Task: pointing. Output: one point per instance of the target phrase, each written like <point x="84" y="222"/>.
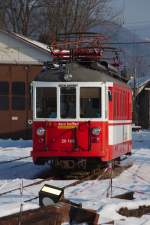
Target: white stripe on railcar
<point x="119" y="133"/>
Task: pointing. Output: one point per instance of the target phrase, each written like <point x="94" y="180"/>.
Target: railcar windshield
<point x="46" y="102"/>
<point x="90" y="102"/>
<point x="68" y="102"/>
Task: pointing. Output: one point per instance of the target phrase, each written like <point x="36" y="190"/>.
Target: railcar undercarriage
<point x="83" y="164"/>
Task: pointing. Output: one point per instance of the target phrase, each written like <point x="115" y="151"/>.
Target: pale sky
<point x="135" y="12"/>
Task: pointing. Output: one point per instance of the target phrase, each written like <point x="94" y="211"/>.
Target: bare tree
<point x="43" y="19"/>
<point x="18" y="15"/>
<point x="65" y="16"/>
<point x="2" y="13"/>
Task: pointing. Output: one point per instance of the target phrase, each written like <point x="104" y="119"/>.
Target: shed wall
<point x="143" y="103"/>
<point x="15" y="99"/>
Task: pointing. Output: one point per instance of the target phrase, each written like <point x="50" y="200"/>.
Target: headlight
<point x="96" y="131"/>
<point x="40" y="131"/>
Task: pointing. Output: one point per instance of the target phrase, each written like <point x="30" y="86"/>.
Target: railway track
<point x="97" y="174"/>
<point x="10" y="166"/>
<point x="18" y="168"/>
<point x="25" y="186"/>
<point x="84" y="178"/>
<point x="14" y="160"/>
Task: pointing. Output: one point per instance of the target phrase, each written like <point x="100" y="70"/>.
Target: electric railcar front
<point x="71" y="119"/>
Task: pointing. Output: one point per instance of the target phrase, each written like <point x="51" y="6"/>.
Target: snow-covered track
<point x="95" y="175"/>
<point x="11" y="165"/>
<point x="13" y="160"/>
<point x="25" y="186"/>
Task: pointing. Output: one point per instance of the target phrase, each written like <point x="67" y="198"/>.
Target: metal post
<point x="134" y="96"/>
<point x="111" y="173"/>
<point x="21" y="205"/>
<point x="110" y="183"/>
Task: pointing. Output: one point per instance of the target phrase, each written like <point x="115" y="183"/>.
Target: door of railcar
<point x="70" y="112"/>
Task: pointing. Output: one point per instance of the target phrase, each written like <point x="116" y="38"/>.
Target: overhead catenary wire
<point x="127" y="43"/>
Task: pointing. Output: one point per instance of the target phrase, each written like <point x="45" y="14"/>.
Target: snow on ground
<point x="92" y="194"/>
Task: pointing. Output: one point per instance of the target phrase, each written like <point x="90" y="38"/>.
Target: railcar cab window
<point x="68" y="102"/>
<point x="90" y="102"/>
<point x="46" y="102"/>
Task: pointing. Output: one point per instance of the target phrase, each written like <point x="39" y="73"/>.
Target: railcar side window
<point x="46" y="102"/>
<point x="90" y="102"/>
<point x="68" y="102"/>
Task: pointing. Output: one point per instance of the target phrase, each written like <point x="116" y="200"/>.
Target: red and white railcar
<point x="81" y="113"/>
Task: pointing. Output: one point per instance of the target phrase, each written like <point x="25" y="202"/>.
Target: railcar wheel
<point x="39" y="162"/>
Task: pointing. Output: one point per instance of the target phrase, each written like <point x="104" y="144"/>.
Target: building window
<point x="18" y="88"/>
<point x="18" y="95"/>
<point x="4" y="88"/>
<point x="4" y="102"/>
<point x="4" y="95"/>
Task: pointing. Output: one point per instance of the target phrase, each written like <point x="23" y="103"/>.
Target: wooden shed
<point x="20" y="61"/>
<point x="143" y="104"/>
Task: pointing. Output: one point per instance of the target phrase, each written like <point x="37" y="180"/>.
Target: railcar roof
<point x="80" y="73"/>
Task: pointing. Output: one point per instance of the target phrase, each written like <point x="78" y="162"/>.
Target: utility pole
<point x="134" y="96"/>
<point x="134" y="80"/>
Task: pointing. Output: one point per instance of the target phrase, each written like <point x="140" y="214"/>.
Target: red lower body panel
<point x="115" y="151"/>
<point x="75" y="140"/>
